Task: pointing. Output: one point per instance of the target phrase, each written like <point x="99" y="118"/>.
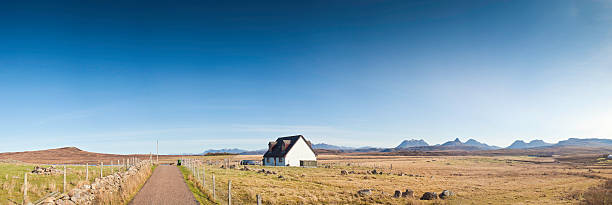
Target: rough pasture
<point x="473" y="179"/>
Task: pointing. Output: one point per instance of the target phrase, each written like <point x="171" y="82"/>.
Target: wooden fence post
<point x="214" y="193"/>
<point x="112" y="167"/>
<point x="101" y="165"/>
<point x="64" y="188"/>
<point x="87" y="172"/>
<point x="204" y="177"/>
<point x="258" y="199"/>
<point x="25" y="188"/>
<point x="229" y="192"/>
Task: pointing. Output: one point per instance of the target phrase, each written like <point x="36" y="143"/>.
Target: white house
<point x="290" y="151"/>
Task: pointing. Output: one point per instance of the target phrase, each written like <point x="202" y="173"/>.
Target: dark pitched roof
<point x="282" y="145"/>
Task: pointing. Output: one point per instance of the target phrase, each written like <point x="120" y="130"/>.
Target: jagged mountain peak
<point x="412" y="143"/>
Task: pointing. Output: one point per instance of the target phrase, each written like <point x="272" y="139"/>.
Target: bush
<point x="601" y="194"/>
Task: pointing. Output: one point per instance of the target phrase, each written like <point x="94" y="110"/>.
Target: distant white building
<point x="290" y="151"/>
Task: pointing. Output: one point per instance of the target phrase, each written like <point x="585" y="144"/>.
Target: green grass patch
<point x="194" y="187"/>
<point x="39" y="185"/>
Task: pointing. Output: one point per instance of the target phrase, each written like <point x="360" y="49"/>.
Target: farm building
<point x="290" y="151"/>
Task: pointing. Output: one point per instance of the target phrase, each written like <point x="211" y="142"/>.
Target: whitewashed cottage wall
<point x="299" y="151"/>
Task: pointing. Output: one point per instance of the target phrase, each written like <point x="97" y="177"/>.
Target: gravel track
<point x="166" y="186"/>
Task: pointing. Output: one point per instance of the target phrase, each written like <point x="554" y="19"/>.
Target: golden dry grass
<point x="474" y="179"/>
<point x="11" y="181"/>
<point x="129" y="189"/>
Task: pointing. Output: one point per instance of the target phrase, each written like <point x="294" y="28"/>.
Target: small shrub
<point x="601" y="194"/>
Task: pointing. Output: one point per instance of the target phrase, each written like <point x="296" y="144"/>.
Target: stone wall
<point x="91" y="193"/>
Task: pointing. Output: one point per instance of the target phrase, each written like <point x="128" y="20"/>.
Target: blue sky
<point x="116" y="76"/>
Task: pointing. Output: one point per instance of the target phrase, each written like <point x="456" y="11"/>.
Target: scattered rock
<point x="46" y="170"/>
<point x="446" y="194"/>
<point x="408" y="193"/>
<point x="364" y="192"/>
<point x="429" y="196"/>
<point x="281" y="177"/>
<point x="343" y="172"/>
<point x="397" y="194"/>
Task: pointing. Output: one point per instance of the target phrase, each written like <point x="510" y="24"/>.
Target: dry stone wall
<point x="90" y="193"/>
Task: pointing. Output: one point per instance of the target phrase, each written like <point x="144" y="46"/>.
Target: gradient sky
<point x="116" y="76"/>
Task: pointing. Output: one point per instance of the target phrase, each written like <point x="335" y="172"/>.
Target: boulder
<point x="397" y="194"/>
<point x="48" y="200"/>
<point x="408" y="193"/>
<point x="46" y="170"/>
<point x="343" y="172"/>
<point x="429" y="196"/>
<point x="364" y="192"/>
<point x="446" y="194"/>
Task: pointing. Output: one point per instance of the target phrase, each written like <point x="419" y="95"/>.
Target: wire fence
<point x="214" y="182"/>
<point x="30" y="183"/>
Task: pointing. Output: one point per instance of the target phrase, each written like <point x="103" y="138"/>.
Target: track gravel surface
<point x="166" y="186"/>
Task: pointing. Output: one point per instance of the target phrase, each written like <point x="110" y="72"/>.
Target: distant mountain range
<point x="470" y="144"/>
<point x="473" y="142"/>
<point x="330" y="147"/>
<point x="412" y="143"/>
<point x="592" y="142"/>
<point x="421" y="145"/>
<point x="233" y="151"/>
<point x="520" y="144"/>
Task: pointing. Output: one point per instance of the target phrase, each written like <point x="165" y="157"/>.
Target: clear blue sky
<point x="116" y="76"/>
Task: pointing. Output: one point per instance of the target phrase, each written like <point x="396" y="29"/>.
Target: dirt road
<point x="166" y="186"/>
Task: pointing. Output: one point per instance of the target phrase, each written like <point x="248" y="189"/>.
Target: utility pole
<point x="157" y="151"/>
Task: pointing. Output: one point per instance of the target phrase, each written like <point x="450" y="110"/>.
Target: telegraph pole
<point x="157" y="151"/>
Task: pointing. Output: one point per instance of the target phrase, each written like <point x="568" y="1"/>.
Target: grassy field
<point x="475" y="180"/>
<point x="196" y="186"/>
<point x="39" y="185"/>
